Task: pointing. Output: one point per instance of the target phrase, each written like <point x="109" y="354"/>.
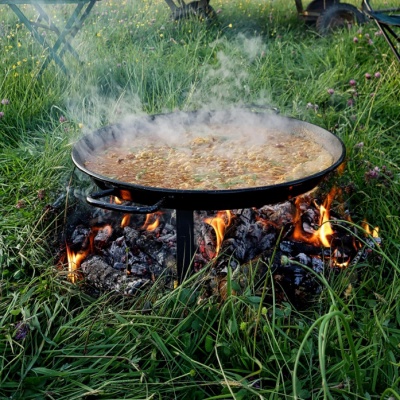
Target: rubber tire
<point x="334" y="16"/>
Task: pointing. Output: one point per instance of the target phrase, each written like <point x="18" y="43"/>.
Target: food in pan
<point x="219" y="157"/>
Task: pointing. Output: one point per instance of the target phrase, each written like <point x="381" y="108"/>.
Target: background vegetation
<point x="57" y="342"/>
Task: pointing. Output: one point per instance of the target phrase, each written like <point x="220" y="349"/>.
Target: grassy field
<point x="56" y="342"/>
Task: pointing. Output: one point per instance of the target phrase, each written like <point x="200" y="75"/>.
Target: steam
<point x="221" y="85"/>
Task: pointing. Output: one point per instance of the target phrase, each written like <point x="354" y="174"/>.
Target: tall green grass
<point x="57" y="342"/>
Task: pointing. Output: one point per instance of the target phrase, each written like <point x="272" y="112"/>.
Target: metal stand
<point x="184" y="242"/>
<point x="72" y="27"/>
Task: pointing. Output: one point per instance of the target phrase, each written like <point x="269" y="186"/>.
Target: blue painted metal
<point x="64" y="35"/>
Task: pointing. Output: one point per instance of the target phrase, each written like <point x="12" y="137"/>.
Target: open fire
<point x="129" y="251"/>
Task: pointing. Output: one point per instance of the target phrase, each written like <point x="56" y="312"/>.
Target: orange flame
<point x="220" y="223"/>
<point x="152" y="221"/>
<point x="374" y="232"/>
<point x="117" y="200"/>
<point x="74" y="262"/>
<point x="319" y="237"/>
<point x="75" y="259"/>
<point x="126" y="219"/>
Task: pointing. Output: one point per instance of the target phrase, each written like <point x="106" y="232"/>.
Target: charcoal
<point x="101" y="238"/>
<point x="80" y="238"/>
<point x="127" y="259"/>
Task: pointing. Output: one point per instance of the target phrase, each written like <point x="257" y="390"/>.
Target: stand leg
<point x="184" y="242"/>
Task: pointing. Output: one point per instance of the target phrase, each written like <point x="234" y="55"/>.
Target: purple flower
<point x="377" y="75"/>
<point x="331" y="91"/>
<point x="355" y="39"/>
<point x="370" y="42"/>
<point x="350" y="103"/>
<point x="352" y="82"/>
<point x="359" y="145"/>
<point x="372" y="174"/>
<point x="368" y="76"/>
<point x="62" y="119"/>
<point x="20" y="204"/>
<point x="1" y="114"/>
<point x="21" y="330"/>
<point x="378" y="33"/>
<point x="5" y="102"/>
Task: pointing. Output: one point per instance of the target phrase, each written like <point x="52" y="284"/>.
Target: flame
<point x="75" y="259"/>
<point x="74" y="262"/>
<point x="126" y="219"/>
<point x="320" y="237"/>
<point x="374" y="232"/>
<point x="117" y="200"/>
<point x="220" y="223"/>
<point x="325" y="228"/>
<point x="152" y="221"/>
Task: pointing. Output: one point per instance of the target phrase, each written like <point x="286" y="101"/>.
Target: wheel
<point x="339" y="15"/>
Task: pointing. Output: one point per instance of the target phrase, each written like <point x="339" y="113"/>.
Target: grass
<point x="58" y="343"/>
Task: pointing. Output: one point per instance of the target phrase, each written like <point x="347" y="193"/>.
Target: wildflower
<point x="264" y="311"/>
<point x="359" y="145"/>
<point x="21" y="330"/>
<point x="41" y="194"/>
<point x="312" y="106"/>
<point x="370" y="42"/>
<point x="378" y="33"/>
<point x="355" y="39"/>
<point x="331" y="91"/>
<point x="80" y="125"/>
<point x="230" y="25"/>
<point x="368" y="76"/>
<point x="20" y="204"/>
<point x="372" y="174"/>
<point x="377" y="75"/>
<point x="1" y="114"/>
<point x="350" y="103"/>
<point x="62" y="119"/>
<point x="243" y="326"/>
<point x="352" y="82"/>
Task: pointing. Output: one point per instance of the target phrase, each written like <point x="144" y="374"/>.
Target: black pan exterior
<point x="207" y="199"/>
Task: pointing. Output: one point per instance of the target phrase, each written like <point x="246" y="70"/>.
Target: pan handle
<point x="93" y="201"/>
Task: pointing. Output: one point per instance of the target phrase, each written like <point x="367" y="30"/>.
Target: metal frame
<point x="385" y="23"/>
<point x="43" y="21"/>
